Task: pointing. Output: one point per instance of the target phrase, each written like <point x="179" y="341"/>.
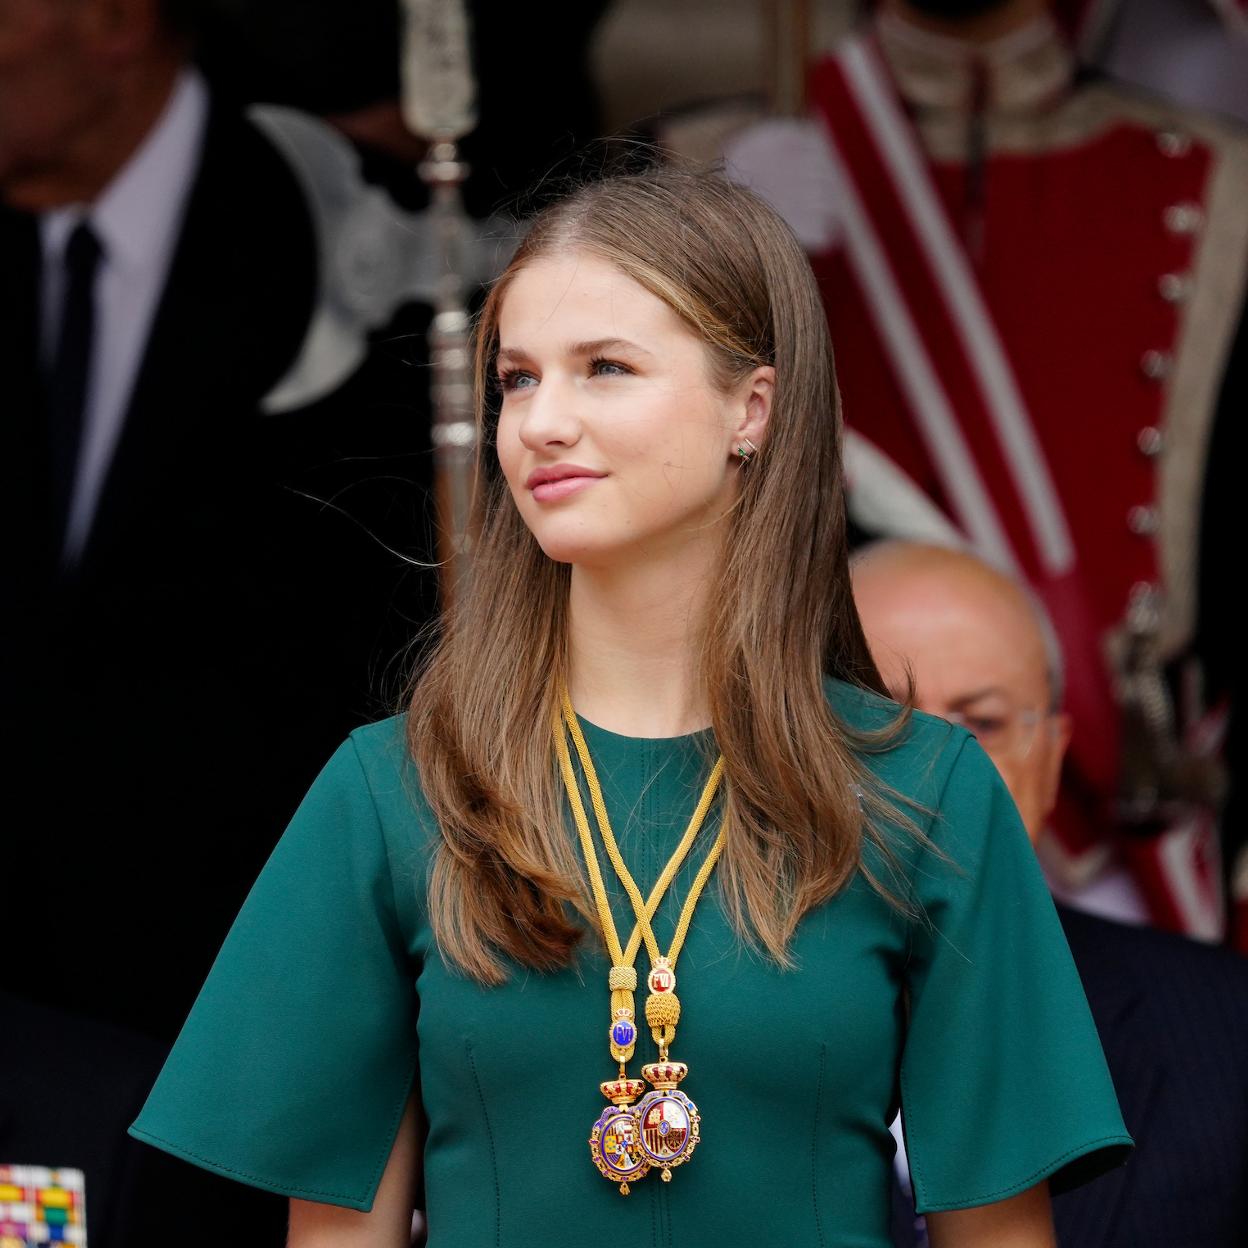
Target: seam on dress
<point x="654" y="1217"/>
<point x="1049" y="1168"/>
<point x="665" y="1196"/>
<point x="384" y="1154"/>
<point x="907" y="1119"/>
<point x="489" y="1135"/>
<point x="381" y="832"/>
<point x="180" y="1150"/>
<point x="814" y="1145"/>
<point x="395" y="1119"/>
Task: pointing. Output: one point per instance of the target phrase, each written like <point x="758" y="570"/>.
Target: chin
<point x="571" y="550"/>
<point x="577" y="543"/>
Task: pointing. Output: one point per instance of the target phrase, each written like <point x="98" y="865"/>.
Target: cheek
<point x="44" y="100"/>
<point x="677" y="445"/>
<point x="507" y="448"/>
<point x="1015" y="775"/>
<point x="1023" y="779"/>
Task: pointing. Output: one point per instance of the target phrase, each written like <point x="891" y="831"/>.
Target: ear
<point x="756" y="392"/>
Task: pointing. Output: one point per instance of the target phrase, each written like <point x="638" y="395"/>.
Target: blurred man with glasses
<point x="983" y="656"/>
<point x="1173" y="1014"/>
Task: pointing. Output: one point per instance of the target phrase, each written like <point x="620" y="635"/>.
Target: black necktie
<point x="70" y="374"/>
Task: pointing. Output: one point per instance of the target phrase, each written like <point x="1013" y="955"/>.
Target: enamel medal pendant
<point x="669" y="1122"/>
<point x="614" y="1144"/>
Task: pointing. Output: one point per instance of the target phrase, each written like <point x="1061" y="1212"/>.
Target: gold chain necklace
<point x="663" y="1129"/>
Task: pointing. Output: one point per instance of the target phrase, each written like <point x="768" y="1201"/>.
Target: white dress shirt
<point x="137" y="219"/>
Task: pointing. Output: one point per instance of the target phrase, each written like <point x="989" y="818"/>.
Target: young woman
<point x="650" y="865"/>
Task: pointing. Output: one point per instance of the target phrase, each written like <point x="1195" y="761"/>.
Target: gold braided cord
<point x="645" y="910"/>
<point x="662" y="1009"/>
<point x="622" y="977"/>
<point x="624" y="958"/>
<point x="598" y="888"/>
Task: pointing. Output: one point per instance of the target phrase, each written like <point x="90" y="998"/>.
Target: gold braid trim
<point x="622" y="977"/>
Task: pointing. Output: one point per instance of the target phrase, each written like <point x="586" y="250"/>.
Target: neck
<point x="995" y="23"/>
<point x="102" y="145"/>
<point x="633" y="661"/>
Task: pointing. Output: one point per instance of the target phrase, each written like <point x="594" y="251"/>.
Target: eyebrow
<point x="594" y="346"/>
<point x="976" y="694"/>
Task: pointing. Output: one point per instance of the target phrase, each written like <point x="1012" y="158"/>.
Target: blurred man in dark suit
<point x="189" y="630"/>
<point x="1172" y="1014"/>
<point x="68" y="1088"/>
<point x="200" y="606"/>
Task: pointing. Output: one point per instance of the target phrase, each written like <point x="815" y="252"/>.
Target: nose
<point x="550" y="415"/>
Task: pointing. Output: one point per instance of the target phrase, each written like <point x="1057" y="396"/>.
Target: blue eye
<point x="608" y="368"/>
<point x="514" y="379"/>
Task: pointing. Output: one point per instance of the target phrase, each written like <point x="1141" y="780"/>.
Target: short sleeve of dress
<point x="294" y="1066"/>
<point x="1003" y="1081"/>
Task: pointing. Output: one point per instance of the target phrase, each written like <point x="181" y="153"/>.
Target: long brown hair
<point x="781" y="614"/>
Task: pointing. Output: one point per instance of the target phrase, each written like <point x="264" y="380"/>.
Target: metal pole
<point x="789" y="37"/>
<point x="439" y="104"/>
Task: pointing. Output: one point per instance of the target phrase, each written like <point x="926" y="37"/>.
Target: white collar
<point x="138" y="213"/>
<point x="1028" y="68"/>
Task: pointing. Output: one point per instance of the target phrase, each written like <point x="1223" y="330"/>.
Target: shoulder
<point x="915" y="757"/>
<point x="381" y="751"/>
<point x="367" y="802"/>
<point x="1186" y="973"/>
<point x="764" y="158"/>
<point x="246" y="182"/>
<point x="233" y="134"/>
<point x="381" y="754"/>
<point x="1104" y="101"/>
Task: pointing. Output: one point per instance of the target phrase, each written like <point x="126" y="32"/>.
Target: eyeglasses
<point x="1008" y="732"/>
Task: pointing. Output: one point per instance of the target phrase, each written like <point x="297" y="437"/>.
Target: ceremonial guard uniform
<point x="1034" y="285"/>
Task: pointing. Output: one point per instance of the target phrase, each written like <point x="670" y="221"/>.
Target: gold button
<point x="1174" y="287"/>
<point x="1173" y="143"/>
<point x="1150" y="440"/>
<point x="1142" y="520"/>
<point x="1184" y="218"/>
<point x="1144" y="605"/>
<point x="1155" y="365"/>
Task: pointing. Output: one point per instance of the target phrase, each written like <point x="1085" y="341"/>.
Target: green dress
<point x="329" y="999"/>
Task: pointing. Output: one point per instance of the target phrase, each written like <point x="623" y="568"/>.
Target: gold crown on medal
<point x="664" y="1075"/>
<point x="622" y="1091"/>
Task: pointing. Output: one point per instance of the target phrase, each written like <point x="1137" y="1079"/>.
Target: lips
<point x="561" y="480"/>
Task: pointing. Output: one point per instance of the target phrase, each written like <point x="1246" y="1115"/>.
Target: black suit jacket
<point x="1173" y="1019"/>
<point x="168" y="702"/>
<point x="68" y="1089"/>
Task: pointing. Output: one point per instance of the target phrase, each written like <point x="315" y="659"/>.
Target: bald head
<point x="978" y="603"/>
<point x="981" y="651"/>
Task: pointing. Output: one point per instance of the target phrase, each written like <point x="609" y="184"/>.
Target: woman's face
<point x="613" y="437"/>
